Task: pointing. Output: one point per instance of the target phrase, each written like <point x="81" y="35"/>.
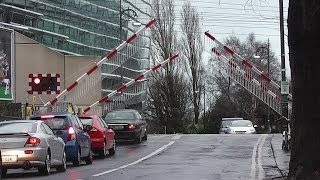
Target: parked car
<point x="225" y="123"/>
<point x="27" y="144"/>
<point x="69" y="127"/>
<point x="102" y="137"/>
<point x="127" y="124"/>
<point x="241" y="127"/>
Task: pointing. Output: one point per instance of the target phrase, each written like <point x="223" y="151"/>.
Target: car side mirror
<point x="255" y="126"/>
<point x="59" y="133"/>
<point x="87" y="128"/>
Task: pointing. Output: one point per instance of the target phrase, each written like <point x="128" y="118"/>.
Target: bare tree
<point x="191" y="46"/>
<point x="168" y="88"/>
<point x="304" y="37"/>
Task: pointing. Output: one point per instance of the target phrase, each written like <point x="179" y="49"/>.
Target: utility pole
<point x="268" y="111"/>
<point x="284" y="84"/>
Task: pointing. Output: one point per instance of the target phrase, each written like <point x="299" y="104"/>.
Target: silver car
<point x="27" y="144"/>
<point x="241" y="127"/>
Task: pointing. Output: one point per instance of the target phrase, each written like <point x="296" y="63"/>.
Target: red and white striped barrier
<point x="137" y="78"/>
<point x="246" y="75"/>
<point x="108" y="57"/>
<point x="243" y="61"/>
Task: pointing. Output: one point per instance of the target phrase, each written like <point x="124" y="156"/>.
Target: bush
<point x="194" y="129"/>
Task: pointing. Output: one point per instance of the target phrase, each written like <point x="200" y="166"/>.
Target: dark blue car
<point x="69" y="127"/>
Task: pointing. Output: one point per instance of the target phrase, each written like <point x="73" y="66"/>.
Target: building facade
<point x="89" y="27"/>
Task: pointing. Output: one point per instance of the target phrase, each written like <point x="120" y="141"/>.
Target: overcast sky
<point x="228" y="17"/>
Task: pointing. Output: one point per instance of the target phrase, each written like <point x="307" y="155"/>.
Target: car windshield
<point x="86" y="121"/>
<point x="241" y="123"/>
<point x="120" y="115"/>
<point x="17" y="127"/>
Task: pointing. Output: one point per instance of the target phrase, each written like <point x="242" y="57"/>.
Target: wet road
<point x="165" y="157"/>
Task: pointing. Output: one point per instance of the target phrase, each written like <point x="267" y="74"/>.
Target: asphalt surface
<point x="187" y="157"/>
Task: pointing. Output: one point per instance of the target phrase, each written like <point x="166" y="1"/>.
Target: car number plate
<point x="117" y="127"/>
<point x="9" y="159"/>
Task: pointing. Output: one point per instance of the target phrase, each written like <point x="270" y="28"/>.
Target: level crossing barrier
<point x="241" y="70"/>
<point x="124" y="86"/>
<point x="98" y="65"/>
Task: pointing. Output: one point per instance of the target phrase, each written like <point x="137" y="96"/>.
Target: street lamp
<point x="268" y="59"/>
<point x="268" y="55"/>
<point x="130" y="13"/>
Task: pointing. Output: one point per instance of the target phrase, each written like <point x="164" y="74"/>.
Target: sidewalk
<point x="275" y="160"/>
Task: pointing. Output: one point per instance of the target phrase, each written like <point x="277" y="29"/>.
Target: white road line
<point x="261" y="171"/>
<point x="138" y="161"/>
<point x="176" y="137"/>
<point x="253" y="160"/>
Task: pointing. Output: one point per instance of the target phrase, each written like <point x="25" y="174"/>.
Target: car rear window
<point x="54" y="122"/>
<point x="18" y="127"/>
<point x="86" y="120"/>
<point x="120" y="115"/>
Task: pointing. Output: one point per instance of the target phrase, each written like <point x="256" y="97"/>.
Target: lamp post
<point x="268" y="70"/>
<point x="121" y="13"/>
<point x="204" y="100"/>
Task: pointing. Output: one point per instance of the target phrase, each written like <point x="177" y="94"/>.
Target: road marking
<point x="137" y="161"/>
<point x="253" y="160"/>
<point x="261" y="171"/>
<point x="176" y="137"/>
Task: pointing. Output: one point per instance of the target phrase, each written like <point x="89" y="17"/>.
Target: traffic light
<point x="39" y="83"/>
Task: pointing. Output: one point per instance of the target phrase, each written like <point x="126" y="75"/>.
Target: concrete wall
<point x="32" y="57"/>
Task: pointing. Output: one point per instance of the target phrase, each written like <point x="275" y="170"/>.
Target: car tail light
<point x="32" y="142"/>
<point x="94" y="130"/>
<point x="47" y="116"/>
<point x="71" y="134"/>
<point x="131" y="126"/>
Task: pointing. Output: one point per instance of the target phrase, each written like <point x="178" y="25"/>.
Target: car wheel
<point x="145" y="137"/>
<point x="63" y="166"/>
<point x="45" y="170"/>
<point x="77" y="161"/>
<point x="103" y="151"/>
<point x="4" y="172"/>
<point x="112" y="151"/>
<point x="89" y="159"/>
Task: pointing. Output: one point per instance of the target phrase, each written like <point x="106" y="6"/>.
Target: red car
<point x="102" y="137"/>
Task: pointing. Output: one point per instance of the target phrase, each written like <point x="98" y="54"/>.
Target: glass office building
<point x="88" y="27"/>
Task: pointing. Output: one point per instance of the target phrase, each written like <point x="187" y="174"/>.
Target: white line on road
<point x="253" y="160"/>
<point x="176" y="137"/>
<point x="261" y="171"/>
<point x="137" y="161"/>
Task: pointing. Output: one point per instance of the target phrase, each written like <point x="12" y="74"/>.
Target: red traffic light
<point x="36" y="81"/>
<point x="39" y="83"/>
